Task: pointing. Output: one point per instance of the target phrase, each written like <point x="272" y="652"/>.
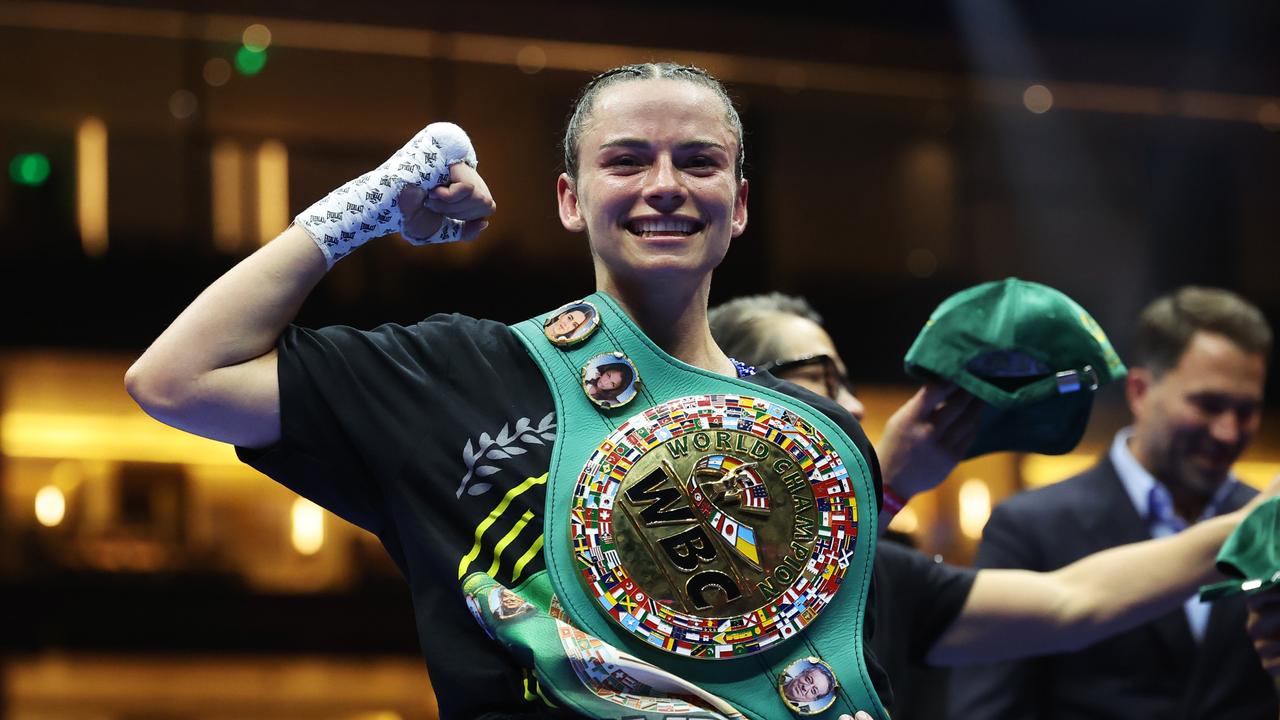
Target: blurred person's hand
<point x="925" y="439"/>
<point x="466" y="197"/>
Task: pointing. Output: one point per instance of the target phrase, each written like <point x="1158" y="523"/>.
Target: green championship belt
<point x="707" y="526"/>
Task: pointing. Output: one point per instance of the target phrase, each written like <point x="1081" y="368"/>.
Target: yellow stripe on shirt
<point x="485" y="524"/>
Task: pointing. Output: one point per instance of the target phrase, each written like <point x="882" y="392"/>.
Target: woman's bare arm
<point x="213" y="371"/>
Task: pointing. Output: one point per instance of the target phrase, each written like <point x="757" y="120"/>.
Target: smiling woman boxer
<point x="387" y="428"/>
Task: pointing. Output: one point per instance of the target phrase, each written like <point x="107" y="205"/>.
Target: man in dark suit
<point x="1195" y="393"/>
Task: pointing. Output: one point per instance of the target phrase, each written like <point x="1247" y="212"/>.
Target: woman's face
<point x="656" y="190"/>
<point x="609" y="380"/>
<point x="567" y="323"/>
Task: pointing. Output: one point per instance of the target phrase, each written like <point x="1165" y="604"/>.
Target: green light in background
<point x="250" y="61"/>
<point x="29" y="169"/>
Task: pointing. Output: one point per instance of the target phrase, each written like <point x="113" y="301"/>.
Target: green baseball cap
<point x="1029" y="352"/>
<point x="1251" y="556"/>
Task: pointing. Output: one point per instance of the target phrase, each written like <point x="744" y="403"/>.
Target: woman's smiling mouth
<point x="663" y="226"/>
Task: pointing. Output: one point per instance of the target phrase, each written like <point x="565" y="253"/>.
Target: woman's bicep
<point x="238" y="404"/>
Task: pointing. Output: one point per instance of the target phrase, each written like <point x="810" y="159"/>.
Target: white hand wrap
<point x="367" y="207"/>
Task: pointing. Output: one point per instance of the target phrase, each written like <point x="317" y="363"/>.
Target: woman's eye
<point x="702" y="164"/>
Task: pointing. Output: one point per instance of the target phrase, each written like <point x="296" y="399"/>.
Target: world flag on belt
<point x="627" y="603"/>
<point x="739" y="480"/>
<point x="756" y="497"/>
<point x="608" y="485"/>
<point x="828" y="487"/>
<point x="738" y="535"/>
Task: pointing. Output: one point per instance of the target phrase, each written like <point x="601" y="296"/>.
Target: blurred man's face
<point x="802" y="338"/>
<point x="1192" y="423"/>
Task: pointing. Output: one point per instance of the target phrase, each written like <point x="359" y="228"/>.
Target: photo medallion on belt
<point x="808" y="686"/>
<point x="714" y="526"/>
<point x="571" y="324"/>
<point x="610" y="380"/>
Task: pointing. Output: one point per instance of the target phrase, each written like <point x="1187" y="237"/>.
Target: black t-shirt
<point x="436" y="438"/>
<point x="917" y="598"/>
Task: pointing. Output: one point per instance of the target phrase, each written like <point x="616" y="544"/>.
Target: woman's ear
<point x="740" y="209"/>
<point x="567" y="200"/>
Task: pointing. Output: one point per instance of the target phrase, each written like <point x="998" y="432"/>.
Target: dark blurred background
<point x="1114" y="151"/>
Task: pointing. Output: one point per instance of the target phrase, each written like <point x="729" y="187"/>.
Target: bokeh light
<point x="250" y="61"/>
<point x="217" y="72"/>
<point x="975" y="507"/>
<point x="51" y="506"/>
<point x="256" y="37"/>
<point x="183" y="104"/>
<point x="1038" y="99"/>
<point x="91" y="186"/>
<point x="307" y="527"/>
<point x="30" y="169"/>
<point x="531" y="59"/>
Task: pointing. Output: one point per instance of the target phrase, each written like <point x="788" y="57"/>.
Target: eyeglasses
<point x="833" y="378"/>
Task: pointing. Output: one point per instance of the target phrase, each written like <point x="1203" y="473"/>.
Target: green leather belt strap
<point x="749" y="682"/>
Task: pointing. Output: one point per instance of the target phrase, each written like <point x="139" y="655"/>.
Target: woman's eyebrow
<point x="700" y="145"/>
<point x="638" y="144"/>
<point x="634" y="143"/>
